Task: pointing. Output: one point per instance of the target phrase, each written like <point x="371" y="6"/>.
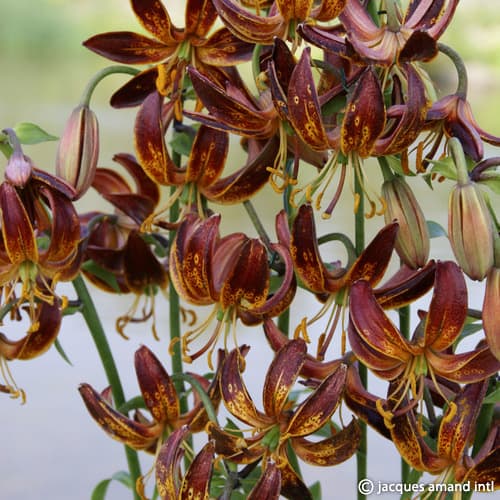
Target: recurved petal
<point x="363" y="403"/>
<point x="371" y="265"/>
<point x="317" y="409"/>
<point x="235" y="394"/>
<point x="224" y="49"/>
<point x="128" y="47"/>
<point x="226" y="108"/>
<point x="465" y="367"/>
<point x="65" y="231"/>
<point x="281" y="376"/>
<point x="248" y="26"/>
<point x="291" y="484"/>
<point x="304" y="110"/>
<point x="123" y="429"/>
<point x="406" y="286"/>
<point x="196" y="482"/>
<point x="412" y="447"/>
<point x="247" y="180"/>
<point x="370" y="323"/>
<point x="208" y="156"/>
<point x="145" y="186"/>
<point x="149" y="138"/>
<point x="330" y="451"/>
<point x="448" y="307"/>
<point x="269" y="485"/>
<point x="17" y="230"/>
<point x="364" y="119"/>
<point x="458" y="425"/>
<point x="136" y="89"/>
<point x="385" y="366"/>
<point x="235" y="447"/>
<point x="154" y="18"/>
<point x="200" y="17"/>
<point x="248" y="281"/>
<point x="305" y="252"/>
<point x="167" y="466"/>
<point x="141" y="267"/>
<point x="38" y="340"/>
<point x="328" y="10"/>
<point x="156" y="387"/>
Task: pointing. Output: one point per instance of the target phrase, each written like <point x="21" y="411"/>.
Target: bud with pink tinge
<point x="19" y="167"/>
<point x="470" y="225"/>
<point x="78" y="150"/>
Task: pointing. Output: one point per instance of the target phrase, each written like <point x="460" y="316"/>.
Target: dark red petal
<point x="128" y="47"/>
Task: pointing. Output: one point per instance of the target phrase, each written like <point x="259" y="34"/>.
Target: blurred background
<point x="50" y="446"/>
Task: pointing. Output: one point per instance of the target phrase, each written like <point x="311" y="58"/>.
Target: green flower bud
<point x="412" y="242"/>
<point x="470" y="230"/>
<point x="78" y="150"/>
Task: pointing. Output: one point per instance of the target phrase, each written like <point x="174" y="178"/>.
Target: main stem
<point x="359" y="243"/>
<point x="174" y="311"/>
<point x="96" y="330"/>
<point x="404" y="328"/>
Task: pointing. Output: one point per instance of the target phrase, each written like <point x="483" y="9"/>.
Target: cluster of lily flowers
<point x="335" y="83"/>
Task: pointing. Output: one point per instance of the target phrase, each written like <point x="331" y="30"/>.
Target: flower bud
<point x="78" y="150"/>
<point x="412" y="241"/>
<point x="491" y="307"/>
<point x="19" y="167"/>
<point x="470" y="230"/>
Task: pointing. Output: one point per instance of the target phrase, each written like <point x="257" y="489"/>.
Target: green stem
<point x="103" y="73"/>
<point x="359" y="244"/>
<point x="459" y="160"/>
<point x="257" y="224"/>
<point x="174" y="310"/>
<point x="460" y="67"/>
<point x="404" y="328"/>
<point x="96" y="330"/>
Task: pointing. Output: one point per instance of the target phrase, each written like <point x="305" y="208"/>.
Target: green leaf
<point x="396" y="166"/>
<point x="445" y="167"/>
<point x="29" y="133"/>
<point x="315" y="490"/>
<point x="60" y="350"/>
<point x="493" y="397"/>
<point x="182" y="143"/>
<point x="92" y="267"/>
<point x="492" y="180"/>
<point x="435" y="229"/>
<point x="101" y="489"/>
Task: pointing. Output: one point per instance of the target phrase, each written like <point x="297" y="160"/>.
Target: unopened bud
<point x="78" y="151"/>
<point x="19" y="167"/>
<point x="491" y="307"/>
<point x="412" y="241"/>
<point x="470" y="229"/>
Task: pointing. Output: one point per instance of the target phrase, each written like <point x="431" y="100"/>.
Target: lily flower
<point x="124" y="259"/>
<point x="402" y="37"/>
<point x="202" y="175"/>
<point x="169" y="50"/>
<point x="231" y="272"/>
<point x="281" y="424"/>
<point x="170" y="481"/>
<point x="451" y="459"/>
<point x="45" y="324"/>
<point x="160" y="398"/>
<point x="40" y="231"/>
<point x="379" y="345"/>
<point x="281" y="20"/>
